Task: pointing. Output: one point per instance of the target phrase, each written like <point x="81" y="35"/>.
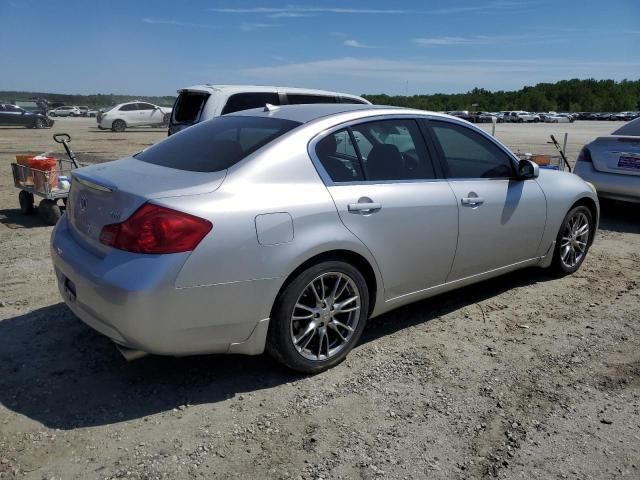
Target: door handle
<point x="364" y="207"/>
<point x="471" y="201"/>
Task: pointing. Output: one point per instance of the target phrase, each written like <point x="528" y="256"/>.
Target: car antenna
<point x="269" y="108"/>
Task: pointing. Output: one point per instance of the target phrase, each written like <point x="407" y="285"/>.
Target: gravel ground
<point x="521" y="377"/>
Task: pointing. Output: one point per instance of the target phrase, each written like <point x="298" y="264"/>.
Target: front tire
<point x="118" y="126"/>
<point x="40" y="123"/>
<point x="319" y="317"/>
<point x="573" y="240"/>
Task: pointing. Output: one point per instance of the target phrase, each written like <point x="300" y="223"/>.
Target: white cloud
<point x="429" y="76"/>
<point x="486" y="40"/>
<point x="297" y="9"/>
<point x="249" y="27"/>
<point x="290" y="15"/>
<point x="443" y="41"/>
<point x="160" y="21"/>
<point x="356" y="44"/>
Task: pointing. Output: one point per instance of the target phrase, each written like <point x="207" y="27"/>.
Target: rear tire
<point x="573" y="241"/>
<point x="26" y="202"/>
<point x="49" y="211"/>
<point x="40" y="123"/>
<point x="118" y="126"/>
<point x="319" y="317"/>
<point x="165" y="119"/>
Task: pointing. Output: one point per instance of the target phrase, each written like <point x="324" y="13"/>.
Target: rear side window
<point x="246" y="101"/>
<point x="128" y="108"/>
<point x="216" y="144"/>
<point x="300" y="99"/>
<point x="189" y="106"/>
<point x="339" y="158"/>
<point x="469" y="154"/>
<point x="351" y="100"/>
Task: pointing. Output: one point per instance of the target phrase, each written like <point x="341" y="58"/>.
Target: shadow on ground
<point x="619" y="216"/>
<point x="14" y="218"/>
<point x="57" y="371"/>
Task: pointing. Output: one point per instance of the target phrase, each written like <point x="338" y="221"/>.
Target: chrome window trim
<point x="311" y="149"/>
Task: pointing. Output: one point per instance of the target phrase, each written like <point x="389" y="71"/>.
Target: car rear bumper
<point x="132" y="299"/>
<point x="610" y="185"/>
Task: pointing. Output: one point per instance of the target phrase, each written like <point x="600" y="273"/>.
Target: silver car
<point x="286" y="228"/>
<point x="612" y="163"/>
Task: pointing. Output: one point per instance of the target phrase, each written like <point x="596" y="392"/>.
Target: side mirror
<point x="527" y="170"/>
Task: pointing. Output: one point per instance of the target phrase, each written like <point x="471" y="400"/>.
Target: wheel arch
<point x="593" y="208"/>
<point x="348" y="256"/>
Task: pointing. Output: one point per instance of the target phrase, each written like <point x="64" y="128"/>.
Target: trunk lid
<point x="616" y="154"/>
<point x="111" y="192"/>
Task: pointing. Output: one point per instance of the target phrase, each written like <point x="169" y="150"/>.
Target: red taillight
<point x="584" y="156"/>
<point x="155" y="229"/>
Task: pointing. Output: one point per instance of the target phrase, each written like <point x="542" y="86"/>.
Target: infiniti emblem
<point x="83" y="203"/>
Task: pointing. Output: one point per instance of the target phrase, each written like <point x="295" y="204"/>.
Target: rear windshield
<point x="188" y="107"/>
<point x="216" y="144"/>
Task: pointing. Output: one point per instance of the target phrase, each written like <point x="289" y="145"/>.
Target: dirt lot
<point x="522" y="377"/>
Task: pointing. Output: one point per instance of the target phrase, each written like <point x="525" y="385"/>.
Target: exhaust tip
<point x="130" y="354"/>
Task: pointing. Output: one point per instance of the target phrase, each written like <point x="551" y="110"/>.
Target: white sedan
<point x="134" y="114"/>
<point x="561" y="118"/>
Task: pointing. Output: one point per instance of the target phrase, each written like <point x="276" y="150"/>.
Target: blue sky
<point x="155" y="47"/>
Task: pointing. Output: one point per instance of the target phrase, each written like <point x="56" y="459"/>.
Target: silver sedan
<point x="612" y="163"/>
<point x="287" y="228"/>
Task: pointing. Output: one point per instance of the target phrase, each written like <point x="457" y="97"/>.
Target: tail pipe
<point x="130" y="354"/>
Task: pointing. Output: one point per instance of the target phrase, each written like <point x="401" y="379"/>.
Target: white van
<point x="201" y="102"/>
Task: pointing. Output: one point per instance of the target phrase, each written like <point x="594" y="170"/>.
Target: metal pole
<point x="493" y="127"/>
<point x="564" y="144"/>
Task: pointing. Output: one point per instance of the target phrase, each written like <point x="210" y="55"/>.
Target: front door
<point x="502" y="218"/>
<point x="387" y="193"/>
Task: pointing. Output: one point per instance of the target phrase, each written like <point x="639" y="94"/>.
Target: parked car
<point x="133" y="114"/>
<point x="612" y="163"/>
<point x="65" y="112"/>
<point x="202" y="102"/>
<point x="92" y="112"/>
<point x="211" y="254"/>
<point x="12" y="115"/>
<point x="522" y="117"/>
<point x="559" y="118"/>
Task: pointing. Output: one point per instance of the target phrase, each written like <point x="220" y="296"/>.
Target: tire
<point x="322" y="343"/>
<point x="49" y="211"/>
<point x="118" y="126"/>
<point x="51" y="114"/>
<point x="536" y="120"/>
<point x="26" y="202"/>
<point x="40" y="123"/>
<point x="165" y="119"/>
<point x="520" y="120"/>
<point x="568" y="241"/>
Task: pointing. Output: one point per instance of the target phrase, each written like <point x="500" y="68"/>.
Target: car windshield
<point x="216" y="144"/>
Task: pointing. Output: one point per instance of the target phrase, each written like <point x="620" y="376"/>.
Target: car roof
<point x="629" y="129"/>
<point x="308" y="112"/>
<point x="231" y="89"/>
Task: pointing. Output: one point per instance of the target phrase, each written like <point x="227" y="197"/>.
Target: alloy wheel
<point x="574" y="241"/>
<point x="325" y="316"/>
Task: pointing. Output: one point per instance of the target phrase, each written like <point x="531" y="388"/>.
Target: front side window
<point x="246" y="101"/>
<point x="145" y="106"/>
<point x="469" y="154"/>
<point x="216" y="144"/>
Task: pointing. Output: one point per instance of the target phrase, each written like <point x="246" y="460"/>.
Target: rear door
<point x="502" y="219"/>
<point x="616" y="155"/>
<point x="129" y="113"/>
<point x="388" y="194"/>
<point x="148" y="114"/>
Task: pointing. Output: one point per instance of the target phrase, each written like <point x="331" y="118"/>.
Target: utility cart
<point x="46" y="177"/>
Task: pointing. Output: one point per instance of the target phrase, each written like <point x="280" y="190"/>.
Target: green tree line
<point x="564" y="96"/>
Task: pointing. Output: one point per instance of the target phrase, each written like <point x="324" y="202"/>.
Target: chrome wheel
<point x="325" y="316"/>
<point x="574" y="241"/>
